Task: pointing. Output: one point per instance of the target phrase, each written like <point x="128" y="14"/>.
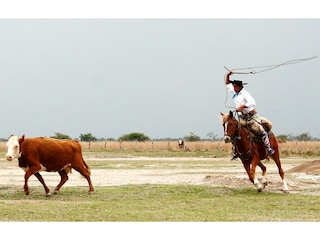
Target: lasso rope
<point x="266" y="68"/>
<point x="263" y="69"/>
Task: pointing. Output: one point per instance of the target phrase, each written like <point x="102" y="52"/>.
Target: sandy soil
<point x="302" y="179"/>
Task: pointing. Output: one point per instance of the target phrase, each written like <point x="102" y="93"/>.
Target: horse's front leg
<point x="256" y="182"/>
<point x="246" y="165"/>
<point x="264" y="171"/>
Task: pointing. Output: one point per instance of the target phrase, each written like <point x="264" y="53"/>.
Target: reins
<point x="238" y="138"/>
<point x="239" y="125"/>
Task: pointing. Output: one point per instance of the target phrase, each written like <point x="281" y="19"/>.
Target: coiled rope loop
<point x="254" y="70"/>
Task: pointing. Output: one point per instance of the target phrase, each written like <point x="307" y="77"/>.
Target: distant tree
<point x="110" y="139"/>
<point x="304" y="137"/>
<point x="135" y="136"/>
<point x="212" y="136"/>
<point x="192" y="137"/>
<point x="60" y="136"/>
<point x="286" y="137"/>
<point x="87" y="137"/>
<point x="283" y="137"/>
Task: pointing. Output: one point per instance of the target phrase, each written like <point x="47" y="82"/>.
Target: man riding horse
<point x="245" y="106"/>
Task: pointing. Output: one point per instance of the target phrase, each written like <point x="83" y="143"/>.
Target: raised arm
<point x="228" y="77"/>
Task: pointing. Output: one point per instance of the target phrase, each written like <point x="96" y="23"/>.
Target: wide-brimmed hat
<point x="238" y="82"/>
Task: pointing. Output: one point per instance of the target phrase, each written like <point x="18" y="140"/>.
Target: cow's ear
<point x="21" y="139"/>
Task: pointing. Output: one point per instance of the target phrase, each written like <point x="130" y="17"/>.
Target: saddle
<point x="266" y="124"/>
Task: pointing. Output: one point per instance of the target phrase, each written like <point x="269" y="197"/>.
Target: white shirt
<point x="242" y="98"/>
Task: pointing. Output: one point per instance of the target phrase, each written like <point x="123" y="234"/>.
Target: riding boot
<point x="235" y="155"/>
<point x="265" y="139"/>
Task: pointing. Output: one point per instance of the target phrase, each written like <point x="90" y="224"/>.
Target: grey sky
<point x="162" y="77"/>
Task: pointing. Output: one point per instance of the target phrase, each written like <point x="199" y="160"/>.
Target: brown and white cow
<point x="47" y="154"/>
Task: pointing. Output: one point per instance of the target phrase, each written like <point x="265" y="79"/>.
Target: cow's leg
<point x="85" y="173"/>
<point x="26" y="187"/>
<point x="38" y="175"/>
<point x="64" y="177"/>
<point x="33" y="170"/>
<point x="91" y="189"/>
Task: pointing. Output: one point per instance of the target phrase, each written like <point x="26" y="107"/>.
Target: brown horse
<point x="251" y="150"/>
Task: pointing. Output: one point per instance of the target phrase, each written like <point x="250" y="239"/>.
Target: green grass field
<point x="157" y="203"/>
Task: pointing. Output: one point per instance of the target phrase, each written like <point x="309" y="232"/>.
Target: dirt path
<point x="303" y="179"/>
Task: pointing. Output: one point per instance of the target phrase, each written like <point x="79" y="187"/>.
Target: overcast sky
<point x="162" y="77"/>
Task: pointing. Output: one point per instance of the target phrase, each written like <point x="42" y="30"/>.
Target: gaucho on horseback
<point x="245" y="106"/>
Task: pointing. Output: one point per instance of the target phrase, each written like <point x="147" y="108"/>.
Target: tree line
<point x="141" y="137"/>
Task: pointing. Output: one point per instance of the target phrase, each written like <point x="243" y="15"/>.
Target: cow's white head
<point x="13" y="146"/>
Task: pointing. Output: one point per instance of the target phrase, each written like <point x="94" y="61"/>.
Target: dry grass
<point x="293" y="147"/>
<point x="307" y="148"/>
<point x="156" y="146"/>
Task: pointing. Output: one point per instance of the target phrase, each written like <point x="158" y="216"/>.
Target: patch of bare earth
<point x="302" y="179"/>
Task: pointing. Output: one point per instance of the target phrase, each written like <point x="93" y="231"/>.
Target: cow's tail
<point x="86" y="166"/>
<point x="84" y="163"/>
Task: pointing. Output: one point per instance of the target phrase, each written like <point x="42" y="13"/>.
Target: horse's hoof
<point x="48" y="194"/>
<point x="259" y="189"/>
<point x="285" y="191"/>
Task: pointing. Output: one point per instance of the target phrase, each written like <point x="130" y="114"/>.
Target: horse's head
<point x="230" y="126"/>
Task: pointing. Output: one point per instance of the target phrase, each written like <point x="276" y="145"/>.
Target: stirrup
<point x="234" y="158"/>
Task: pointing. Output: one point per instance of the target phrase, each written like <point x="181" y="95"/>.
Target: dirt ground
<point x="302" y="179"/>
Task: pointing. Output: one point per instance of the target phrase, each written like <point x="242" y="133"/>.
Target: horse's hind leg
<point x="281" y="173"/>
<point x="264" y="171"/>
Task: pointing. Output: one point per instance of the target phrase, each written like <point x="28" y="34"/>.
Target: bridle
<point x="236" y="136"/>
<point x="238" y="128"/>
